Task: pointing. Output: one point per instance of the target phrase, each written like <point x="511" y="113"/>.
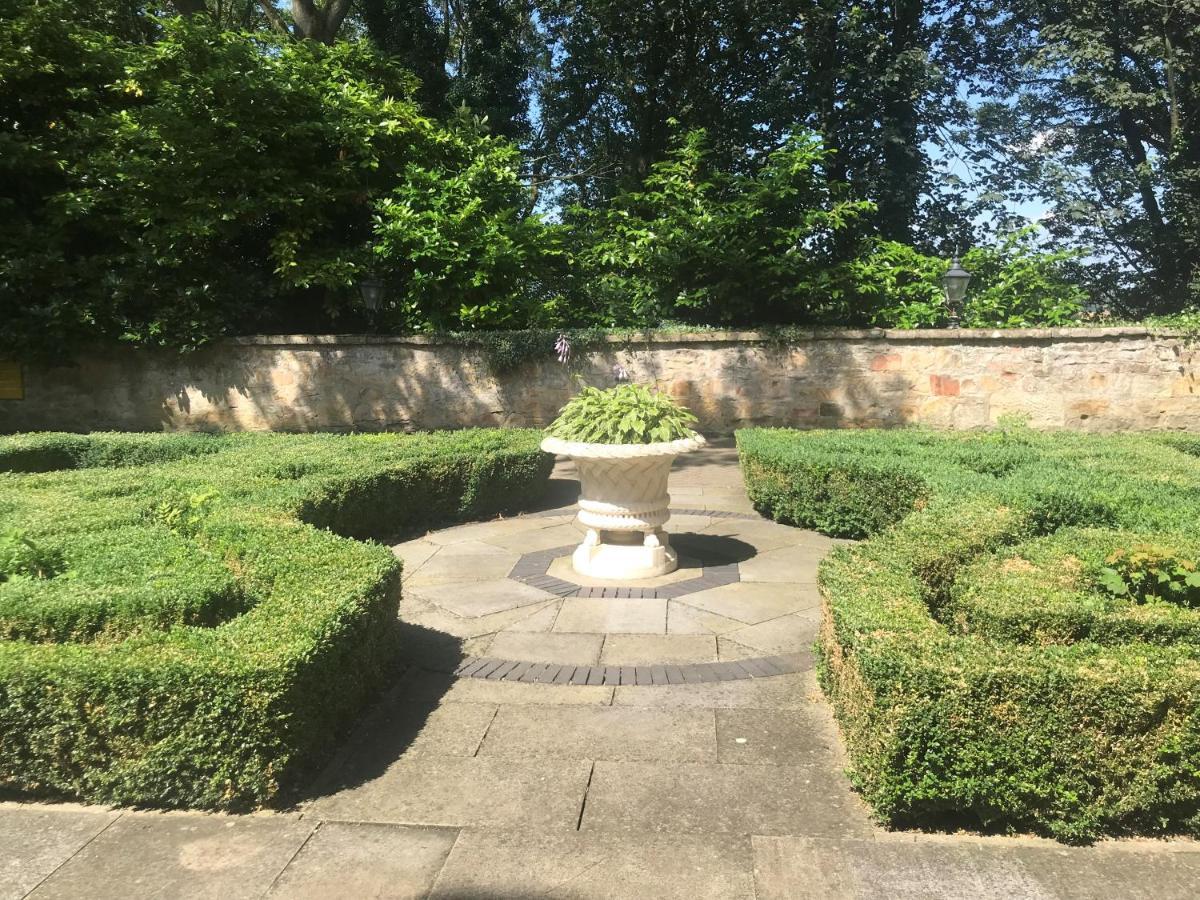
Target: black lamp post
<point x="954" y="283"/>
<point x="372" y="293"/>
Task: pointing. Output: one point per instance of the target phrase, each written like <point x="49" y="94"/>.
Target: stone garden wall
<point x="1089" y="379"/>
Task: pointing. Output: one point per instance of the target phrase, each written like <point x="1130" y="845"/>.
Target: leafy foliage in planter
<point x="203" y="632"/>
<point x="625" y="414"/>
<point x="982" y="674"/>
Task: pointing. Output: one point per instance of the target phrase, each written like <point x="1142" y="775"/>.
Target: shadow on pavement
<point x="386" y="730"/>
<point x="712" y="549"/>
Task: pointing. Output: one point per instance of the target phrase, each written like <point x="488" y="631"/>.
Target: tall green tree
<point x="407" y="31"/>
<point x="621" y="70"/>
<point x="1095" y="111"/>
<point x="861" y="75"/>
<point x="209" y="182"/>
<point x="310" y="20"/>
<point x="479" y="55"/>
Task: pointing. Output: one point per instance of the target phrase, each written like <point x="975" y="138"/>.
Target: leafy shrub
<point x="168" y="191"/>
<point x="1146" y="572"/>
<point x="46" y="452"/>
<point x="980" y="675"/>
<point x="1015" y="283"/>
<point x="1056" y="507"/>
<point x="625" y="414"/>
<point x="700" y="245"/>
<point x="21" y="557"/>
<point x="186" y="515"/>
<point x="117" y="582"/>
<point x="213" y="663"/>
<point x="1050" y="590"/>
<point x="823" y="494"/>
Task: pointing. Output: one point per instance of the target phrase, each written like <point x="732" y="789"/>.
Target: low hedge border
<point x="950" y="727"/>
<point x="228" y="715"/>
<point x="1048" y="591"/>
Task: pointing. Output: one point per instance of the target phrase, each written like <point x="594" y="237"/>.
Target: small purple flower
<point x="562" y="348"/>
<point x="620" y="373"/>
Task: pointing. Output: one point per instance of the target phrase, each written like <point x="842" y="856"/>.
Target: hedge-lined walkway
<point x="669" y="741"/>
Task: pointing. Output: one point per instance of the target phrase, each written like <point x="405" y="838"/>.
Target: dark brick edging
<point x="711" y="513"/>
<point x="532" y="567"/>
<point x="694" y="673"/>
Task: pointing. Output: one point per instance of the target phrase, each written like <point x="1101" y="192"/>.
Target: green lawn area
<point x="984" y="665"/>
<point x="184" y="620"/>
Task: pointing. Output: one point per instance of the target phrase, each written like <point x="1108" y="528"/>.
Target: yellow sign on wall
<point x="12" y="387"/>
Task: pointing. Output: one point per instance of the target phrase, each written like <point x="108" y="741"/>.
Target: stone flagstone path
<point x="561" y="738"/>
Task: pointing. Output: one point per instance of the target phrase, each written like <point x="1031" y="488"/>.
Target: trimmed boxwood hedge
<point x="208" y="631"/>
<point x="970" y="694"/>
<point x="1049" y="590"/>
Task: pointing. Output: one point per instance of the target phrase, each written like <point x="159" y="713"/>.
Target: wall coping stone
<point x="938" y="335"/>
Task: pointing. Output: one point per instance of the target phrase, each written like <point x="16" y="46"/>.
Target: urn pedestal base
<point x="625" y="555"/>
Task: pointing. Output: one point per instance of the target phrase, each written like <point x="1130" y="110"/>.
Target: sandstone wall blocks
<point x="867" y="377"/>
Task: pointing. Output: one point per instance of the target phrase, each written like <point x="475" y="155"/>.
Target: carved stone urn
<point x="623" y="503"/>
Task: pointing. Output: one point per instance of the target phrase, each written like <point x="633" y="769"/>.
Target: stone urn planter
<point x="623" y="503"/>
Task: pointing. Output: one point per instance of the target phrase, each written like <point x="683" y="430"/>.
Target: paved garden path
<point x="565" y="739"/>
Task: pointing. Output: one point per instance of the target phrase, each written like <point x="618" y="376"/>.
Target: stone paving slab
<point x="437" y="686"/>
<point x="577" y="649"/>
<point x="683" y="619"/>
<point x="613" y="615"/>
<point x="780" y="635"/>
<point x="35" y="840"/>
<point x="787" y="565"/>
<point x="1146" y="871"/>
<point x="781" y="692"/>
<point x="414" y="554"/>
<point x="399" y="728"/>
<point x="482" y="598"/>
<point x="652" y="649"/>
<point x="539" y="622"/>
<point x="799" y="868"/>
<point x="602" y="732"/>
<point x="355" y="860"/>
<point x="804" y="736"/>
<point x="179" y="855"/>
<point x="753" y="603"/>
<point x="583" y="866"/>
<point x="763" y="535"/>
<point x="729" y="649"/>
<point x="495" y="529"/>
<point x="712" y="798"/>
<point x="467" y="561"/>
<point x="539" y="539"/>
<point x="453" y="791"/>
<point x="419" y="611"/>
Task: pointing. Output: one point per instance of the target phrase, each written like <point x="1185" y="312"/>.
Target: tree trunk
<point x="190" y="7"/>
<point x="903" y="160"/>
<point x="318" y="23"/>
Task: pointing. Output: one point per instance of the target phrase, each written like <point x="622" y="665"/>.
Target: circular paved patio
<point x="743" y="603"/>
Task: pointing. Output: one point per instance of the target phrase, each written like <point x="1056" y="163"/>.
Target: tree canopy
<point x="176" y="171"/>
